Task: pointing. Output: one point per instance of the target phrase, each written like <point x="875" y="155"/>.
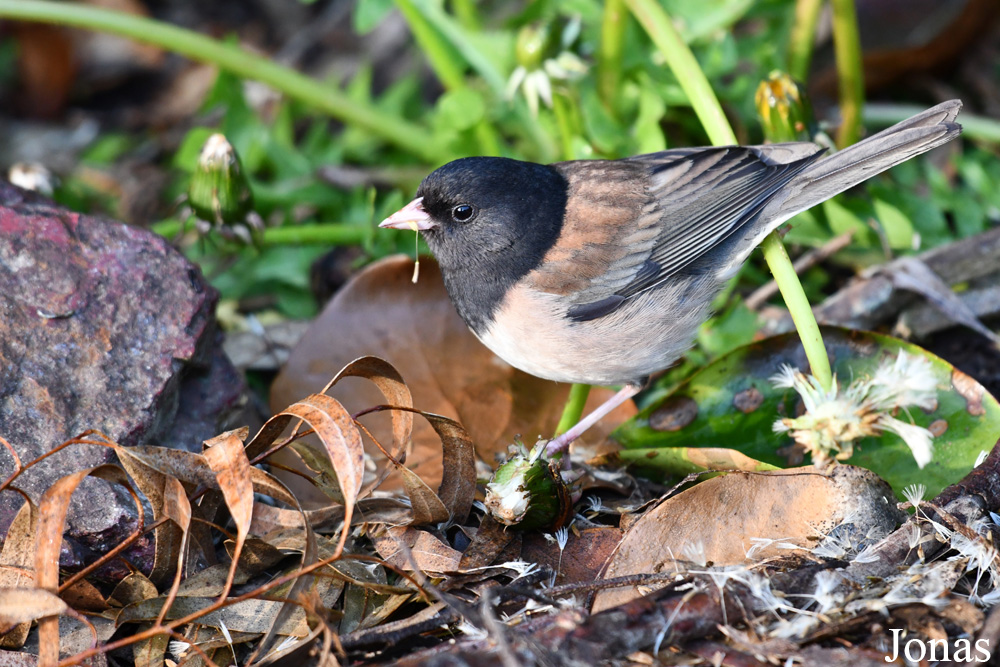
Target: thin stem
<point x="450" y="70"/>
<point x="847" y="45"/>
<point x="609" y="55"/>
<point x="331" y="234"/>
<point x="798" y="307"/>
<point x="575" y="404"/>
<point x="564" y="121"/>
<point x="803" y="37"/>
<point x="243" y="63"/>
<point x="439" y="53"/>
<point x="685" y="67"/>
<point x="465" y="12"/>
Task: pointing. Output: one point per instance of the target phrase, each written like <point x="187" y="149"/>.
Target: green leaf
<point x="898" y="228"/>
<point x="369" y="13"/>
<point x="731" y="403"/>
<point x="460" y="109"/>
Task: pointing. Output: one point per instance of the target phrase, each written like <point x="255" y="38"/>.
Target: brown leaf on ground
<point x="426" y="552"/>
<point x="416" y="329"/>
<point x="16" y="563"/>
<point x="229" y="462"/>
<point x="720" y="520"/>
<point x="23" y="605"/>
<point x="52" y="509"/>
<point x="580" y="561"/>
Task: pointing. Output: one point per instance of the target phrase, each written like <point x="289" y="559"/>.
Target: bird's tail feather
<point x="854" y="164"/>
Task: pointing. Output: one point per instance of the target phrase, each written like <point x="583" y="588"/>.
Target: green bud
<point x="784" y="109"/>
<point x="535" y="44"/>
<point x="528" y="491"/>
<point x="219" y="191"/>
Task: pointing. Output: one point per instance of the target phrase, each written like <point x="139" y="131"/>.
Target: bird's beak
<point x="412" y="216"/>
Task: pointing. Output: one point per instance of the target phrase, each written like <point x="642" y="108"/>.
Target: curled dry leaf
<point x="416" y="329"/>
<point x="52" y="508"/>
<point x="168" y="536"/>
<point x="720" y="519"/>
<point x="23" y="605"/>
<point x="229" y="462"/>
<point x="341" y="441"/>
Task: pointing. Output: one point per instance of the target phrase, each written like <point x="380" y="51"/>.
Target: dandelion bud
<point x="784" y="109"/>
<point x="219" y="191"/>
<point x="528" y="491"/>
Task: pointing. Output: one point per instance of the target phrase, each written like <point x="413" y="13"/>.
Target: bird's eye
<point x="463" y="213"/>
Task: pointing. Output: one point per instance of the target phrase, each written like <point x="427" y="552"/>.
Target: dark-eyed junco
<point x="601" y="271"/>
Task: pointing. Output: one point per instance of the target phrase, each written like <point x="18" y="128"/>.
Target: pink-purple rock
<point x="102" y="326"/>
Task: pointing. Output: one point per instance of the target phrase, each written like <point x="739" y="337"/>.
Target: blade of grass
<point x="441" y="56"/>
<point x="610" y="53"/>
<point x="800" y="42"/>
<point x="685" y="67"/>
<point x="241" y="62"/>
<point x="456" y="35"/>
<point x="850" y="71"/>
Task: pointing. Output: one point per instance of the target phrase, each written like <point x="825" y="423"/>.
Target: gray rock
<point x="107" y="327"/>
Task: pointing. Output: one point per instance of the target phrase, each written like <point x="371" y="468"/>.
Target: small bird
<point x="601" y="271"/>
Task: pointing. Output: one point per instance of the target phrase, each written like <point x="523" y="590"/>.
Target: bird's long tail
<point x="854" y="164"/>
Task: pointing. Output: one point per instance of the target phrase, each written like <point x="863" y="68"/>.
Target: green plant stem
<point x="449" y="69"/>
<point x="979" y="128"/>
<point x="802" y="38"/>
<point x="685" y="67"/>
<point x="850" y="71"/>
<point x="440" y="54"/>
<point x="465" y="12"/>
<point x="240" y="62"/>
<point x="610" y="53"/>
<point x="564" y="121"/>
<point x="676" y="461"/>
<point x="331" y="234"/>
<point x="798" y="307"/>
<point x="575" y="404"/>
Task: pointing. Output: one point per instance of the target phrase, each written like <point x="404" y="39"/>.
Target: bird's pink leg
<point x="561" y="443"/>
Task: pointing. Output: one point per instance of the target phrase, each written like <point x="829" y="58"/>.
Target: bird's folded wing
<point x="636" y="222"/>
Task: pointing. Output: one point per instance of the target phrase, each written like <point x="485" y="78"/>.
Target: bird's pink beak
<point x="412" y="216"/>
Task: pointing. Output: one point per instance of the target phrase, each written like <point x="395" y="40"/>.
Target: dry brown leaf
<point x="388" y="380"/>
<point x="426" y="552"/>
<point x="450" y="373"/>
<point x="16" y="564"/>
<point x="722" y="517"/>
<point x="340" y="439"/>
<point x="132" y="589"/>
<point x="427" y="507"/>
<point x="267" y="519"/>
<point x="23" y="605"/>
<point x="228" y="461"/>
<point x="253" y="616"/>
<point x="458" y="481"/>
<point x="84" y="596"/>
<point x="167" y="537"/>
<point x="52" y="508"/>
<point x="150" y="652"/>
<point x="491" y="539"/>
<point x="580" y="561"/>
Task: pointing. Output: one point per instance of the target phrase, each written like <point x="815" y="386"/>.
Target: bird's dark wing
<point x="633" y="223"/>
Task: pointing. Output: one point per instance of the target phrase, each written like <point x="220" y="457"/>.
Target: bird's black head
<point x="494" y="219"/>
